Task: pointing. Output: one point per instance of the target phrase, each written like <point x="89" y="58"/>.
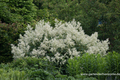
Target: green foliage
<point x="33" y="69"/>
<point x="40" y="74"/>
<point x="113" y="62"/>
<point x="69" y="9"/>
<point x="111" y="25"/>
<point x="12" y="75"/>
<point x="57" y="8"/>
<point x="9" y="33"/>
<point x="5" y="14"/>
<point x="91" y="78"/>
<point x="88" y="62"/>
<point x="17" y="11"/>
<point x="107" y="11"/>
<point x="101" y="63"/>
<point x="79" y="76"/>
<point x="105" y="1"/>
<point x="33" y="64"/>
<point x="88" y="12"/>
<point x="38" y="3"/>
<point x="92" y="63"/>
<point x="73" y="67"/>
<point x="23" y="7"/>
<point x="61" y="76"/>
<point x="85" y="64"/>
<point x="43" y="14"/>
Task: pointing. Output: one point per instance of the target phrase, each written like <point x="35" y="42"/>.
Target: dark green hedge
<point x="17" y="11"/>
<point x="9" y="33"/>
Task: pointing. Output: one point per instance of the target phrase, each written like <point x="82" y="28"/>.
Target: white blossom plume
<point x="57" y="44"/>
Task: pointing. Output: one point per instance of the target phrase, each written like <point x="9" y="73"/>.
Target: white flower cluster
<point x="57" y="44"/>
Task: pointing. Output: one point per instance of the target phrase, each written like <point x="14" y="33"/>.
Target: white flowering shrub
<point x="57" y="44"/>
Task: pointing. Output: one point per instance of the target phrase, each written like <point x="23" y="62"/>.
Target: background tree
<point x="111" y="25"/>
<point x="89" y="13"/>
<point x="17" y="11"/>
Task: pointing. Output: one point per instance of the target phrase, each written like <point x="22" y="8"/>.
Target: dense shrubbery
<point x="36" y="68"/>
<point x="89" y="12"/>
<point x="113" y="62"/>
<point x="111" y="25"/>
<point x="103" y="11"/>
<point x="57" y="44"/>
<point x="88" y="63"/>
<point x="17" y="11"/>
<point x="12" y="75"/>
<point x="5" y="14"/>
<point x="9" y="33"/>
<point x="69" y="9"/>
<point x="13" y="18"/>
<point x="95" y="63"/>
